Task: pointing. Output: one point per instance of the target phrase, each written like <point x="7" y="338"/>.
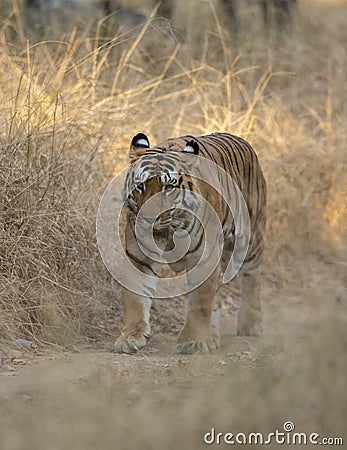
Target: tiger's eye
<point x="169" y="187"/>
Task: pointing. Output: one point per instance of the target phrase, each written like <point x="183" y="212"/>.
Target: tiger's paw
<point x="131" y="342"/>
<point x="197" y="342"/>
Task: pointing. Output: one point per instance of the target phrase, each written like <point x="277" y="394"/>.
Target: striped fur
<point x="166" y="168"/>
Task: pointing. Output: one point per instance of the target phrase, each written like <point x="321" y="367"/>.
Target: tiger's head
<point x="159" y="179"/>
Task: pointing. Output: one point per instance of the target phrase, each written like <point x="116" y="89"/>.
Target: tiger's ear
<point x="191" y="147"/>
<point x="191" y="150"/>
<point x="138" y="146"/>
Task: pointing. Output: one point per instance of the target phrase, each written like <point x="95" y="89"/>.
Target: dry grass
<point x="68" y="110"/>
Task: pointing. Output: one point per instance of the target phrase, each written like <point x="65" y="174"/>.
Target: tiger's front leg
<point x="136" y="329"/>
<point x="141" y="280"/>
<point x="197" y="333"/>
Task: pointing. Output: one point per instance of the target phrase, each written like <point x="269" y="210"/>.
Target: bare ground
<point x="159" y="399"/>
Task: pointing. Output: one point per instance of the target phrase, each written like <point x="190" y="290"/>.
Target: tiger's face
<point x="159" y="190"/>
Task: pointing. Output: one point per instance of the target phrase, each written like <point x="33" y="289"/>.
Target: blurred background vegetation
<point x="77" y="80"/>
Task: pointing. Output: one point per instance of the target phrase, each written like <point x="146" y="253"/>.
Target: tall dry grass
<point x="69" y="108"/>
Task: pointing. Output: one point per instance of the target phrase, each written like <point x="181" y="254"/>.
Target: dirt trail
<point x="158" y="399"/>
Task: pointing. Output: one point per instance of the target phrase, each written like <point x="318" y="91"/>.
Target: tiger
<point x="165" y="169"/>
